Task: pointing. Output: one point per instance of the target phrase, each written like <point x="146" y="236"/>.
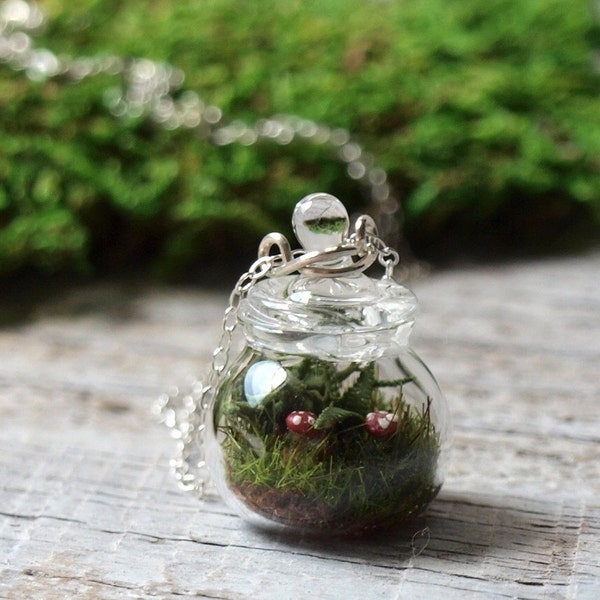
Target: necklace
<point x="325" y="420"/>
<point x="154" y="91"/>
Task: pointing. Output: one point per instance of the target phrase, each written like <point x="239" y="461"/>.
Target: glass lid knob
<point x="320" y="221"/>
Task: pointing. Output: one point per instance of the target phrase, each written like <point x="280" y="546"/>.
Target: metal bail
<point x="320" y="223"/>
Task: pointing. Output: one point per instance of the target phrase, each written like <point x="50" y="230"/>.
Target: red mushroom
<point x="381" y="424"/>
<point x="302" y="422"/>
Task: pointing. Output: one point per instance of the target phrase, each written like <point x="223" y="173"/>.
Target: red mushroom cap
<point x="381" y="424"/>
<point x="303" y="423"/>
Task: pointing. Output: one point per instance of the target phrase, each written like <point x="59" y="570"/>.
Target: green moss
<point x="484" y="113"/>
<point x="343" y="479"/>
<point x="324" y="225"/>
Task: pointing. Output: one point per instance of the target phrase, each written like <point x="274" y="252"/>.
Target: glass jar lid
<point x="330" y="309"/>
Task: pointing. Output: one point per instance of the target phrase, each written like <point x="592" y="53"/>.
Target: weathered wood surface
<point x="88" y="509"/>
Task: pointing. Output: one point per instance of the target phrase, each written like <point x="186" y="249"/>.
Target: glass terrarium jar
<point x="327" y="420"/>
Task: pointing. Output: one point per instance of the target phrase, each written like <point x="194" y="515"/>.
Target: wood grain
<point x="89" y="510"/>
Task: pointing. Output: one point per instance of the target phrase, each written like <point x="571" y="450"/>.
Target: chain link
<point x="387" y="257"/>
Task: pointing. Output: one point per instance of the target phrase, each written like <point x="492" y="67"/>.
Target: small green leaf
<point x="333" y="415"/>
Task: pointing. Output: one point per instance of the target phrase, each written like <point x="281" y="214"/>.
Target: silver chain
<point x="184" y="412"/>
<point x="259" y="270"/>
<point x="154" y="90"/>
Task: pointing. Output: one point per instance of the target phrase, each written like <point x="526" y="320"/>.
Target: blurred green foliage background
<point x="485" y="113"/>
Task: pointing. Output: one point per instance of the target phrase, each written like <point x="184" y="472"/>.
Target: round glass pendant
<point x="327" y="421"/>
